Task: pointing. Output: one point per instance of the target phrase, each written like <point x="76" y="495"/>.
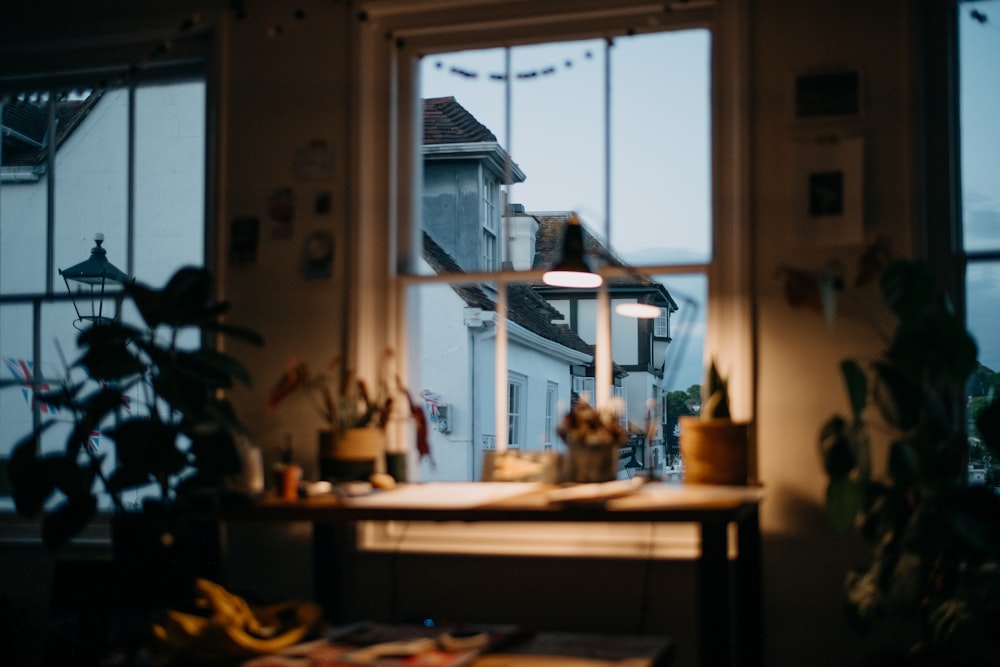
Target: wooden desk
<point x="728" y="598"/>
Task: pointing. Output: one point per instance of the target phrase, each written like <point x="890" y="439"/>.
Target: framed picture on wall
<point x="828" y="94"/>
<point x="828" y="195"/>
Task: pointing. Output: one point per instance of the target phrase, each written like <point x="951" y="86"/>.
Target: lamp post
<point x="91" y="277"/>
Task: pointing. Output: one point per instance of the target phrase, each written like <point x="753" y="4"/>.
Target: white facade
<point x="457" y="367"/>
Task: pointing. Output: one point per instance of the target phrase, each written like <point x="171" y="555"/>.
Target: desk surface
<point x="503" y="501"/>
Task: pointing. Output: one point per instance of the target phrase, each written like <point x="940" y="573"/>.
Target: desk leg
<point x="332" y="542"/>
<point x="715" y="626"/>
<point x="749" y="624"/>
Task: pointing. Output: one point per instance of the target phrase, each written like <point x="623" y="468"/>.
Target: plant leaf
<point x="67" y="520"/>
<point x="856" y="383"/>
<point x="844" y="500"/>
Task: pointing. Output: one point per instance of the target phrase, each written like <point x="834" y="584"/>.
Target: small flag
<point x="23" y="372"/>
<point x="94" y="441"/>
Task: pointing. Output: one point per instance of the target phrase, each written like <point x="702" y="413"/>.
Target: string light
<point x="500" y="77"/>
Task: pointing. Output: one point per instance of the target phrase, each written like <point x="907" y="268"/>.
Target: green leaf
<point x="835" y="447"/>
<point x="988" y="424"/>
<point x="897" y="395"/>
<point x="72" y="516"/>
<point x="147" y="450"/>
<point x="856" y="383"/>
<point x="844" y="500"/>
<point x="31" y="482"/>
<point x="907" y="288"/>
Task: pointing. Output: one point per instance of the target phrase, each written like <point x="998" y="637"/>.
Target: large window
<point x="618" y="125"/>
<point x="125" y="161"/>
<point x="980" y="149"/>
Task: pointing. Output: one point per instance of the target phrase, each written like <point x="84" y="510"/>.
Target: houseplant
<point x="934" y="540"/>
<point x="713" y="446"/>
<point x="179" y="443"/>
<point x="593" y="437"/>
<point x="354" y="418"/>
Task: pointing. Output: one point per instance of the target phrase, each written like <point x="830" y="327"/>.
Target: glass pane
<point x="25" y="178"/>
<point x="549" y="351"/>
<point x="980" y="106"/>
<point x="660" y="143"/>
<point x="91" y="183"/>
<point x="169" y="179"/>
<point x="983" y="293"/>
<point x="661" y="196"/>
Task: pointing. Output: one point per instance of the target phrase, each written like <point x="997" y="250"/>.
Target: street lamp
<point x="91" y="277"/>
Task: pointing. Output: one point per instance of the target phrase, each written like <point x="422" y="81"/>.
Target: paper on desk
<point x="444" y="494"/>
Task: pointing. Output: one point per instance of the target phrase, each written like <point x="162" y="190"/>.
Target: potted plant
<point x="714" y="448"/>
<point x="593" y="437"/>
<point x="934" y="539"/>
<point x="353" y="438"/>
<point x="179" y="442"/>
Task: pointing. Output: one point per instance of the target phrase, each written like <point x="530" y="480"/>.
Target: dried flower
<point x="587" y="425"/>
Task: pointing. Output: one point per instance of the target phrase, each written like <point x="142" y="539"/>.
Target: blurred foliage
<point x="184" y="440"/>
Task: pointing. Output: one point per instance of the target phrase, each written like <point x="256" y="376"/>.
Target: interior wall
<point x="284" y="115"/>
<point x="799" y="384"/>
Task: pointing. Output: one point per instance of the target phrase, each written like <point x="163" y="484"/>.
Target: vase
<point x="590" y="462"/>
<point x="352" y="455"/>
<point x="715" y="451"/>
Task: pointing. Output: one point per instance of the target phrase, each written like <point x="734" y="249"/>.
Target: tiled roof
<point x="25" y="123"/>
<point x="447" y="122"/>
<point x="525" y="307"/>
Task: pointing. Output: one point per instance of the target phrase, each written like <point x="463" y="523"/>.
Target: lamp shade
<point x="91" y="277"/>
<point x="572" y="269"/>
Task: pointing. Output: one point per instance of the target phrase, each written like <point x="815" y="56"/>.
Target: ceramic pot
<point x="590" y="463"/>
<point x="351" y="456"/>
<point x="715" y="451"/>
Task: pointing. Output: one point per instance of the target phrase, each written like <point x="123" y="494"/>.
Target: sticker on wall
<point x="281" y="213"/>
<point x="318" y="256"/>
<point x="243" y="235"/>
<point x="313" y="162"/>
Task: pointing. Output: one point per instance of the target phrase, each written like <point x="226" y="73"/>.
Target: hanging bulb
<point x="572" y="269"/>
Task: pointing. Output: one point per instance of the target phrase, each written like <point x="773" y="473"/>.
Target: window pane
<point x="980" y="106"/>
<point x="91" y="185"/>
<point x="170" y="179"/>
<point x="661" y="148"/>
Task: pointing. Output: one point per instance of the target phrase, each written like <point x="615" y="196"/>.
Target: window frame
<point x="390" y="42"/>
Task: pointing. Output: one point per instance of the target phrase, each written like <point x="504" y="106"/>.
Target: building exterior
<point x="551" y="331"/>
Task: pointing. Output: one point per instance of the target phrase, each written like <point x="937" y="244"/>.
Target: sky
<point x="660" y="174"/>
<point x="660" y="204"/>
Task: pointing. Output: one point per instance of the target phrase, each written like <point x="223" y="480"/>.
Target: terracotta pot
<point x="715" y="451"/>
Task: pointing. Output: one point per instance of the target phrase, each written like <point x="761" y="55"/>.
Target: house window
<point x="127" y="161"/>
<point x="515" y="409"/>
<point x="551" y="418"/>
<point x="661" y="325"/>
<point x="491" y="224"/>
<point x="606" y="169"/>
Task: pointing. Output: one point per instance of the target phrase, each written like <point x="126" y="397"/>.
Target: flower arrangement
<point x="593" y="437"/>
<point x="587" y="425"/>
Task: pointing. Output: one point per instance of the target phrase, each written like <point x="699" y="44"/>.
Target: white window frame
<point x="551" y="398"/>
<point x="396" y="33"/>
<point x="661" y="325"/>
<point x="517" y="395"/>
<point x="490" y="251"/>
